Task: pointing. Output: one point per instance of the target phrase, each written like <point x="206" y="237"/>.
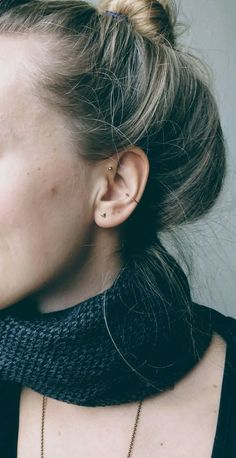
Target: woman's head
<point x="82" y="91"/>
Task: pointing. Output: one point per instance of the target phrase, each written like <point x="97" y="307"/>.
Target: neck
<point x="88" y="278"/>
<point x="119" y="346"/>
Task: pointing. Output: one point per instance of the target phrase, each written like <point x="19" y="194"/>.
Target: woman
<point x="110" y="136"/>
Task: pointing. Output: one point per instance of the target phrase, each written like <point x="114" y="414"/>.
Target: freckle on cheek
<point x="53" y="190"/>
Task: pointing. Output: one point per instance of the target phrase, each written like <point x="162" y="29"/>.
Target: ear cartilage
<point x="132" y="198"/>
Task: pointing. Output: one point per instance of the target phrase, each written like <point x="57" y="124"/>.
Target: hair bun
<point x="151" y="18"/>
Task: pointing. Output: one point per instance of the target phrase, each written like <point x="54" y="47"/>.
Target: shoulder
<point x="224" y="324"/>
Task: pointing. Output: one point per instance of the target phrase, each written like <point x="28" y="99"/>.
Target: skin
<point x="54" y="243"/>
<point x="177" y="423"/>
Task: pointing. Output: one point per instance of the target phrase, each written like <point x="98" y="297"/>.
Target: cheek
<point x="19" y="197"/>
<point x="40" y="205"/>
<point x="44" y="222"/>
<point x="26" y="191"/>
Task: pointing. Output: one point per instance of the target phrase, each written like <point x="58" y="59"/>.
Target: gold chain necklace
<point x="44" y="402"/>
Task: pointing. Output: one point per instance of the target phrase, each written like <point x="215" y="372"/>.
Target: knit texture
<point x="142" y="345"/>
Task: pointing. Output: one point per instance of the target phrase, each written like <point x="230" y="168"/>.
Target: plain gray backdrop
<point x="211" y="35"/>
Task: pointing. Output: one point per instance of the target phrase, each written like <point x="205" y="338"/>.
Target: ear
<point x="121" y="186"/>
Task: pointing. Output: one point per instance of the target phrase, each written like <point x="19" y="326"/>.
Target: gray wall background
<point x="212" y="241"/>
<point x="212" y="35"/>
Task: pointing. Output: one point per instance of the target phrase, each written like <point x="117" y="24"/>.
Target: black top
<point x="225" y="437"/>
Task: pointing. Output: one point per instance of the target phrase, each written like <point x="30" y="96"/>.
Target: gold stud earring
<point x="110" y="168"/>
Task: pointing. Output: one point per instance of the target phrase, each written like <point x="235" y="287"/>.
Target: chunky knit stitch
<point x="144" y="346"/>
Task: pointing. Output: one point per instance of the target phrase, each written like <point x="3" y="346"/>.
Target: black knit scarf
<point x="144" y="343"/>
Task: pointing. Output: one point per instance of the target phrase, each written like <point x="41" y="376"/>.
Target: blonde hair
<point x="127" y="82"/>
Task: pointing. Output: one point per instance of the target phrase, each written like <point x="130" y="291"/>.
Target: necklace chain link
<point x="44" y="404"/>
